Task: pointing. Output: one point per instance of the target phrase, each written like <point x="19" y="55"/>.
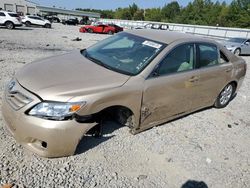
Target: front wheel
<point x="237" y="51"/>
<point x="90" y="30"/>
<point x="110" y="32"/>
<point x="225" y="96"/>
<point x="47" y="26"/>
<point x="9" y="25"/>
<point x="28" y="24"/>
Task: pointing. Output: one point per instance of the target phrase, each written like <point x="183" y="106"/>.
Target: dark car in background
<point x="73" y="21"/>
<point x="52" y="19"/>
<point x="117" y="28"/>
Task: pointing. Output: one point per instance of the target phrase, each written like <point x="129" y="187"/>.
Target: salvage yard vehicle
<point x="98" y="28"/>
<point x="10" y="20"/>
<point x="238" y="46"/>
<point x="154" y="26"/>
<point x="141" y="78"/>
<point x="117" y="27"/>
<point x="74" y="21"/>
<point x="36" y="21"/>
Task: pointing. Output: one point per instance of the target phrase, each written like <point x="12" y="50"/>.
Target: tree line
<point x="197" y="12"/>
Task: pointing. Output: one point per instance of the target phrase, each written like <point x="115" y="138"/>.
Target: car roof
<point x="165" y="36"/>
<point x="7" y="12"/>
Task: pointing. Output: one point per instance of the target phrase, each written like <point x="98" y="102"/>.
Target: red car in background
<point x="100" y="28"/>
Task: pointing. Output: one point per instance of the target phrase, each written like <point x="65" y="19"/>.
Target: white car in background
<point x="36" y="21"/>
<point x="10" y="20"/>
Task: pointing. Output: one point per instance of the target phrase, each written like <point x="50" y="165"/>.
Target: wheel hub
<point x="226" y="94"/>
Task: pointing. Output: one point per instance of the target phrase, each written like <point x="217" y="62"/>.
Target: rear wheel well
<point x="235" y="85"/>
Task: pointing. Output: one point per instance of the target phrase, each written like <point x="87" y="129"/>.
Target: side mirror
<point x="247" y="43"/>
<point x="155" y="73"/>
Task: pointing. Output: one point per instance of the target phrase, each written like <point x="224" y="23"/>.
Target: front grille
<point x="17" y="100"/>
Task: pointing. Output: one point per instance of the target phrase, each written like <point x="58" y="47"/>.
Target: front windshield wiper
<point x="96" y="61"/>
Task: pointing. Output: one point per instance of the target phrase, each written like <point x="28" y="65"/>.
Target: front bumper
<point x="46" y="138"/>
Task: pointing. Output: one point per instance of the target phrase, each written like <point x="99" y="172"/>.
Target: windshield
<point x="124" y="53"/>
<point x="237" y="40"/>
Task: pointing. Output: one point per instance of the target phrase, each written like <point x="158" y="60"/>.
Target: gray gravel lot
<point x="210" y="146"/>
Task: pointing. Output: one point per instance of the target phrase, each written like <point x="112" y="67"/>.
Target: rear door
<point x="215" y="72"/>
<point x="172" y="88"/>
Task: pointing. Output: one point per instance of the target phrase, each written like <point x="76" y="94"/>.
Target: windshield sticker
<point x="152" y="44"/>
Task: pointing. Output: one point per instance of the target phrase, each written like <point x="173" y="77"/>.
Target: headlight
<point x="55" y="110"/>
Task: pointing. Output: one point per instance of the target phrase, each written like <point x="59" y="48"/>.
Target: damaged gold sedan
<point x="142" y="78"/>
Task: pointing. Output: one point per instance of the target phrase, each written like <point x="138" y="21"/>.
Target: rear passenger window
<point x="208" y="55"/>
<point x="178" y="60"/>
<point x="13" y="15"/>
<point x="223" y="58"/>
<point x="2" y="14"/>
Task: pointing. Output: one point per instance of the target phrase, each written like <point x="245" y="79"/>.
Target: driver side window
<point x="178" y="60"/>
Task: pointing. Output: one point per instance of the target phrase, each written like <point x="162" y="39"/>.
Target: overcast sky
<point x="107" y="4"/>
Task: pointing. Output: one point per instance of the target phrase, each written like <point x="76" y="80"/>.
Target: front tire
<point x="90" y="30"/>
<point x="225" y="96"/>
<point x="237" y="51"/>
<point x="110" y="32"/>
<point x="28" y="24"/>
<point x="47" y="26"/>
<point x="9" y="25"/>
<point x="125" y="117"/>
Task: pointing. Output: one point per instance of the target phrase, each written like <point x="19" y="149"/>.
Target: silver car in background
<point x="238" y="46"/>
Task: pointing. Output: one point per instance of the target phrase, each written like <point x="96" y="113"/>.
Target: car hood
<point x="66" y="76"/>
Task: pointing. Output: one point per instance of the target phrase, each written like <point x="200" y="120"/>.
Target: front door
<point x="172" y="89"/>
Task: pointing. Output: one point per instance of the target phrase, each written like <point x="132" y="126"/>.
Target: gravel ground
<point x="209" y="148"/>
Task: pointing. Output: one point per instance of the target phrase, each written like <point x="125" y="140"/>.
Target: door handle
<point x="193" y="79"/>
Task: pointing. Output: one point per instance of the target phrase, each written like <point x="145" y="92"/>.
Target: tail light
<point x="19" y="19"/>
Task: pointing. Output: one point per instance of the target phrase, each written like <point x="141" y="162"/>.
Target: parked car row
<point x="11" y="20"/>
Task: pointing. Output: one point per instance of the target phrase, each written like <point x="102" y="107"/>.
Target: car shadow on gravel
<point x="23" y="29"/>
<point x="194" y="184"/>
<point x="89" y="141"/>
<point x="18" y="28"/>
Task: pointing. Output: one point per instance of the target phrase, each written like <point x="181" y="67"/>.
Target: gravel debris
<point x="171" y="155"/>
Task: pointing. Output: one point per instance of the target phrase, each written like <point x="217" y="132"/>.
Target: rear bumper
<point x="46" y="138"/>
